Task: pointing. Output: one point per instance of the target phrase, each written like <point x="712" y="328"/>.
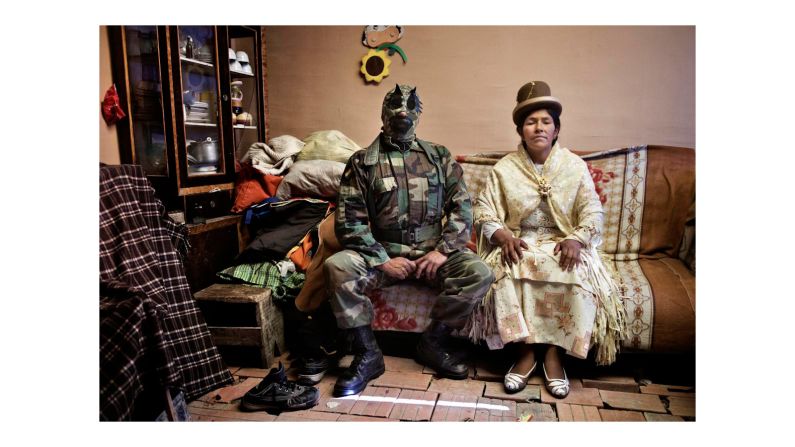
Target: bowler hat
<point x="533" y="96"/>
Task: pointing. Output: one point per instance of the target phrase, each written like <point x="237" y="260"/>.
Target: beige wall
<point x="108" y="143"/>
<point x="619" y="85"/>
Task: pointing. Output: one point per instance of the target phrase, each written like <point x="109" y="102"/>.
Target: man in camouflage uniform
<point x="404" y="211"/>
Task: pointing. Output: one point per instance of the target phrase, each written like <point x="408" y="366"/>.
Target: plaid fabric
<point x="262" y="274"/>
<point x="133" y="351"/>
<point x="139" y="252"/>
<point x="267" y="275"/>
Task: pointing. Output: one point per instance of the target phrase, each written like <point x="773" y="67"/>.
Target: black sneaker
<point x="276" y="393"/>
<point x="313" y="369"/>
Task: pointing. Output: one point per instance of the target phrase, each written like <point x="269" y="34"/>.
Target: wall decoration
<point x="375" y="64"/>
<point x="376" y="35"/>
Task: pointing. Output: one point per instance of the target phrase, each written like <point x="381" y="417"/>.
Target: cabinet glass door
<point x="145" y="98"/>
<point x="244" y="67"/>
<point x="199" y="80"/>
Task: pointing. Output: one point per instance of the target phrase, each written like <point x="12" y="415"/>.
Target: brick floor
<point x="496" y="390"/>
<point x="682" y="406"/>
<point x="564" y="412"/>
<point x="540" y="412"/>
<point x="233" y="392"/>
<point x="404" y="380"/>
<point x="413" y="405"/>
<point x="495" y="410"/>
<point x="211" y="405"/>
<point x="431" y="371"/>
<point x="307" y="416"/>
<point x="331" y="404"/>
<point x="465" y="387"/>
<point x="252" y="372"/>
<point x="400" y="364"/>
<point x="666" y="390"/>
<point x="621" y="416"/>
<point x="583" y="413"/>
<point x="660" y="417"/>
<point x="357" y="418"/>
<point x="608" y="385"/>
<point x="375" y="401"/>
<point x="577" y="396"/>
<point x="489" y="373"/>
<point x="632" y="401"/>
<point x="232" y="414"/>
<point x="407" y="391"/>
<point x="455" y="408"/>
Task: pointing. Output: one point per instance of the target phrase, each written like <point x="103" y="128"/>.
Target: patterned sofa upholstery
<point x="648" y="194"/>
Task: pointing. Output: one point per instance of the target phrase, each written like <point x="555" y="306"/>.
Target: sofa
<point x="648" y="194"/>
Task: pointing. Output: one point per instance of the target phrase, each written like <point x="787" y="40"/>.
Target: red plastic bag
<point x="111" y="109"/>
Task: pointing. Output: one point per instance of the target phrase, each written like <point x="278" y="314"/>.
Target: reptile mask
<point x="402" y="99"/>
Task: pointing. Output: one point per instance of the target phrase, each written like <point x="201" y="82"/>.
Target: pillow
<point x="248" y="191"/>
<point x="312" y="178"/>
<point x="330" y="145"/>
<point x="270" y="183"/>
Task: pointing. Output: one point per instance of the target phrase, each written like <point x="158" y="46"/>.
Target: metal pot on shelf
<point x="203" y="152"/>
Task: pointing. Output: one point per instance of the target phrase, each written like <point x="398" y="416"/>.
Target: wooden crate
<point x="265" y="328"/>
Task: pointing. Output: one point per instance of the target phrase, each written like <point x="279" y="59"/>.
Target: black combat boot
<point x="367" y="364"/>
<point x="433" y="351"/>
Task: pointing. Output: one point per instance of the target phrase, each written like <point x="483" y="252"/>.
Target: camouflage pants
<point x="464" y="279"/>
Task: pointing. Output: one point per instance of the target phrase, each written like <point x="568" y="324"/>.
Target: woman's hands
<point x="511" y="246"/>
<point x="569" y="250"/>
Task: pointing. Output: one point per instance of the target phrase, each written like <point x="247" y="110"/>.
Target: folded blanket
<point x="275" y="158"/>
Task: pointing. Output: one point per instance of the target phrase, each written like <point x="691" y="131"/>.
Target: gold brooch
<point x="544" y="188"/>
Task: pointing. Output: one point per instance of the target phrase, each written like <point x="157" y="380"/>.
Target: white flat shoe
<point x="557" y="387"/>
<point x="516" y="382"/>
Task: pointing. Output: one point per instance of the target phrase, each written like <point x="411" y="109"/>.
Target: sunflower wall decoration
<point x="375" y="64"/>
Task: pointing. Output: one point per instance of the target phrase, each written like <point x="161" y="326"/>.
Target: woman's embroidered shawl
<point x="513" y="191"/>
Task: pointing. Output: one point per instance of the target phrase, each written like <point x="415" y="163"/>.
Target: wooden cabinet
<point x="194" y="102"/>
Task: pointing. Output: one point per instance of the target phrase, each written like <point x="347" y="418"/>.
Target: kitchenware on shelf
<point x="204" y="152"/>
<point x="236" y="92"/>
<point x="242" y="57"/>
<point x="232" y="55"/>
<point x="189" y="47"/>
<point x="188" y="98"/>
<point x="236" y="66"/>
<point x="244" y="118"/>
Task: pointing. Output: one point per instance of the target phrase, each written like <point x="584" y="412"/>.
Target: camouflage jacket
<point x="394" y="203"/>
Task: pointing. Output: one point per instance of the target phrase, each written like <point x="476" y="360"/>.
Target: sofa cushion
<point x="673" y="288"/>
<point x="660" y="305"/>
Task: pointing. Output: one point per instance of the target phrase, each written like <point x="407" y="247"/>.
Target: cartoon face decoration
<point x="400" y="113"/>
<point x="375" y="35"/>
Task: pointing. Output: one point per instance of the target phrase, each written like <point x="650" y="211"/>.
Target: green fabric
<point x="264" y="274"/>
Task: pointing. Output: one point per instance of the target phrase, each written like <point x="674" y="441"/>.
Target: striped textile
<point x="147" y="312"/>
<point x="264" y="274"/>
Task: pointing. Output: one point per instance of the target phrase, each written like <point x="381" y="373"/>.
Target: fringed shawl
<point x="513" y="191"/>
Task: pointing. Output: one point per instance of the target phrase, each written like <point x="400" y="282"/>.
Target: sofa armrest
<point x="687" y="249"/>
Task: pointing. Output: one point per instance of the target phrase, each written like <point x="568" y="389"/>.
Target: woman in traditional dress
<point x="539" y="221"/>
